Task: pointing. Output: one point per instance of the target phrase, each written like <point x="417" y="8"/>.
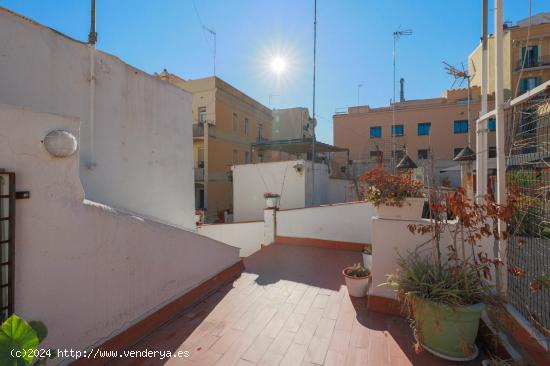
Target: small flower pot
<point x="367" y="260"/>
<point x="272" y="201"/>
<point x="410" y="210"/>
<point x="357" y="286"/>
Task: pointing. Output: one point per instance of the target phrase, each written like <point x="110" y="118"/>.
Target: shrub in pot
<point x="358" y="280"/>
<point x="445" y="294"/>
<point x="394" y="195"/>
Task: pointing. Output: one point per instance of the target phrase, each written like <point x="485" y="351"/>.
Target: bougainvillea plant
<point x="380" y="187"/>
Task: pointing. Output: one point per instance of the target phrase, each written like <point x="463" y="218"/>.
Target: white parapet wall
<point x="86" y="270"/>
<point x="345" y="222"/>
<point x="247" y="236"/>
<point x="142" y="132"/>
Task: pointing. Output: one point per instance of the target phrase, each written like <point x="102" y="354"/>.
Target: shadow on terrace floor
<point x="289" y="307"/>
<point x="308" y="265"/>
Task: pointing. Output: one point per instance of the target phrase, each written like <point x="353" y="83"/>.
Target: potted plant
<point x="271" y="200"/>
<point x="445" y="293"/>
<point x="367" y="257"/>
<point x="394" y="195"/>
<point x="358" y="280"/>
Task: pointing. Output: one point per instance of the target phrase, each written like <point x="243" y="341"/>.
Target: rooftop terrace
<point x="289" y="307"/>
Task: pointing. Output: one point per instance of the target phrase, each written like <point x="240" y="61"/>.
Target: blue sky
<point x="354" y="43"/>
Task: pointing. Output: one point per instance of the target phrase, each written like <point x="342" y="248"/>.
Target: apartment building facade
<point x="226" y="122"/>
<point x="433" y="129"/>
<point x="526" y="57"/>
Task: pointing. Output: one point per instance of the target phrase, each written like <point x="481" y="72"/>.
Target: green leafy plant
<point x="380" y="187"/>
<point x="19" y="342"/>
<point x="357" y="271"/>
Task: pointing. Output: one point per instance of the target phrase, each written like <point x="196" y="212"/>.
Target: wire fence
<point x="528" y="172"/>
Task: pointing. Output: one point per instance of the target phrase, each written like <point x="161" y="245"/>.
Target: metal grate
<point x="7" y="244"/>
<point x="528" y="169"/>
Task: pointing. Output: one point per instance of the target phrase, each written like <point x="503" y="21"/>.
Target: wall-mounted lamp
<point x="60" y="143"/>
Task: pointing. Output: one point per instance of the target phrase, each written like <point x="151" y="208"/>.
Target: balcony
<point x="199" y="174"/>
<point x="198" y="130"/>
<point x="530" y="63"/>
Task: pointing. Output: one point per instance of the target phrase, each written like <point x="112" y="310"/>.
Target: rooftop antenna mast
<point x="92" y="40"/>
<point x="396" y="35"/>
<point x="313" y="104"/>
<point x="212" y="31"/>
<point x="461" y="75"/>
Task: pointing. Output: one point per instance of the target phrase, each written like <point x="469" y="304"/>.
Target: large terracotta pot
<point x="357" y="286"/>
<point x="410" y="210"/>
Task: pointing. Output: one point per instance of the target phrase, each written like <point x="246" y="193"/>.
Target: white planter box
<point x="272" y="202"/>
<point x="411" y="210"/>
<point x="358" y="287"/>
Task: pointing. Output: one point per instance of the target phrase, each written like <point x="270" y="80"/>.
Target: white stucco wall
<point x="251" y="181"/>
<point x="341" y="190"/>
<point x="143" y="137"/>
<point x="248" y="236"/>
<point x="346" y="222"/>
<point x="86" y="270"/>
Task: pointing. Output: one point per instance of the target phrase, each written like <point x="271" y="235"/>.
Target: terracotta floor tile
<point x="284" y="310"/>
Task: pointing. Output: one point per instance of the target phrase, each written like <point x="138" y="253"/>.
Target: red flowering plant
<point x="380" y="187"/>
<point x="270" y="195"/>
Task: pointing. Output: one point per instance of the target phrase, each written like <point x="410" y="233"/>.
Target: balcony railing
<point x="199" y="174"/>
<point x="198" y="130"/>
<point x="533" y="62"/>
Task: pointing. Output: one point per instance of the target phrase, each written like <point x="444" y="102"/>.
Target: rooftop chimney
<point x="402" y="90"/>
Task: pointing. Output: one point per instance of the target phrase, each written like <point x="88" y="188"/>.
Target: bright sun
<point x="278" y="65"/>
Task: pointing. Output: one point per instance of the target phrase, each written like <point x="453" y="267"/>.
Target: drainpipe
<point x="501" y="158"/>
<point x="92" y="39"/>
<point x="481" y="127"/>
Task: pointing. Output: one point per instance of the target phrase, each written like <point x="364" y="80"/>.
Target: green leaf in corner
<point x="17" y="342"/>
<point x="40" y="329"/>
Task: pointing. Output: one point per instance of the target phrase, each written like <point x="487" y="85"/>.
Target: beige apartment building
<point x="226" y="122"/>
<point x="526" y="57"/>
<point x="423" y="127"/>
<point x="292" y="123"/>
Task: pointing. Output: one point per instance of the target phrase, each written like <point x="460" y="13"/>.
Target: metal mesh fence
<point x="528" y="171"/>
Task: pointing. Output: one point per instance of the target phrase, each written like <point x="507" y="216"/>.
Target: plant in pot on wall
<point x="272" y="200"/>
<point x="394" y="195"/>
<point x="358" y="280"/>
<point x="445" y="293"/>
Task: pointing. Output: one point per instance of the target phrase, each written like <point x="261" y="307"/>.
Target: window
<point x="530" y="56"/>
<point x="246" y="127"/>
<point x="462" y="101"/>
<point x="457" y="150"/>
<point x="398" y="154"/>
<point x="423" y="154"/>
<point x="424" y="128"/>
<point x="235" y="157"/>
<point x="376" y="154"/>
<point x="202" y="114"/>
<point x="492" y="124"/>
<point x="492" y="151"/>
<point x="247" y="157"/>
<point x="461" y="126"/>
<point x="397" y="130"/>
<point x="260" y="132"/>
<point x="528" y="84"/>
<point x="235" y="122"/>
<point x="375" y="132"/>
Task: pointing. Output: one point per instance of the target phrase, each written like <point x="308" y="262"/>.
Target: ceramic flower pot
<point x="449" y="333"/>
<point x="272" y="202"/>
<point x="367" y="261"/>
<point x="410" y="210"/>
<point x="357" y="286"/>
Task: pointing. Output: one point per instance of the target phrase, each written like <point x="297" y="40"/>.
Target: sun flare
<point x="278" y="65"/>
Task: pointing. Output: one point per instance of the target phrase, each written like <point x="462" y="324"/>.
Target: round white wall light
<point x="60" y="143"/>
